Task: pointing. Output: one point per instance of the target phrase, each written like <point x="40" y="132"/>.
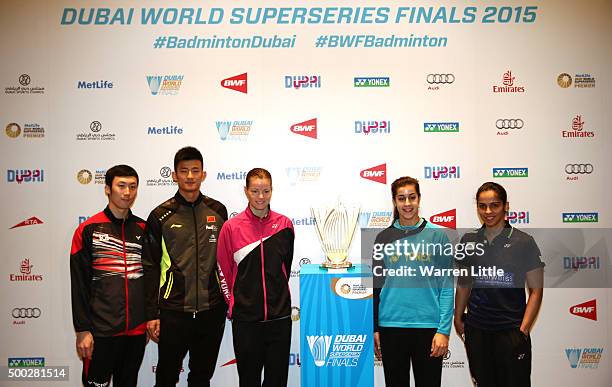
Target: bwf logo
<point x="306" y="128"/>
<point x="377" y="173"/>
<point x="586" y="310"/>
<point x="237" y="83"/>
<point x="445" y="219"/>
<point x="319" y="348"/>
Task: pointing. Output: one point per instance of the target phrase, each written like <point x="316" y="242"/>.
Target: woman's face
<point x="406" y="201"/>
<point x="491" y="209"/>
<point x="259" y="193"/>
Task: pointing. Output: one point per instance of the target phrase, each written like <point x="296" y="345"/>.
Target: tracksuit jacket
<point x="254" y="257"/>
<point x="106" y="275"/>
<point x="180" y="264"/>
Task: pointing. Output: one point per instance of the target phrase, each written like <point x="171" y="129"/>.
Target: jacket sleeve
<point x="151" y="263"/>
<point x="378" y="280"/>
<point x="447" y="291"/>
<point x="81" y="274"/>
<point x="288" y="259"/>
<point x="225" y="262"/>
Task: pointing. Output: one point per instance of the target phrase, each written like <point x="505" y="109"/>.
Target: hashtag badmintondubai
<point x="255" y="41"/>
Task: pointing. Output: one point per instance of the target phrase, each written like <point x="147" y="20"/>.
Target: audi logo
<point x="440" y="78"/>
<point x="509" y="123"/>
<point x="26" y="313"/>
<point x="574" y="169"/>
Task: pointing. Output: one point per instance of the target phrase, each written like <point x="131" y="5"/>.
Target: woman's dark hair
<point x="121" y="170"/>
<point x="397" y="184"/>
<point x="497" y="188"/>
<point x="258" y="173"/>
<point x="187" y="153"/>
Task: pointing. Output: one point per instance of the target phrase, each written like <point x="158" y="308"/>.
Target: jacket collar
<point x="109" y="214"/>
<point x="506" y="233"/>
<point x="181" y="200"/>
<point x="252" y="216"/>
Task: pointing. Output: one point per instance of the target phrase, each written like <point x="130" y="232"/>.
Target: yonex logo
<point x="371" y="82"/>
<point x="433" y="127"/>
<point x="580" y="217"/>
<point x="510" y="172"/>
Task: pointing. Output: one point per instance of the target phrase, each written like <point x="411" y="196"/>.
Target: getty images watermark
<point x="400" y="252"/>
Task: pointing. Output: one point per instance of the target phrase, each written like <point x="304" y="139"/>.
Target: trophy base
<point x="330" y="265"/>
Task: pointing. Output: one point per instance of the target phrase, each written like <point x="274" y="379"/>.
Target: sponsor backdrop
<point x="336" y="99"/>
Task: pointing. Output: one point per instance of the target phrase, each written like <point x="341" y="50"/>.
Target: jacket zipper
<point x="197" y="276"/>
<point x="127" y="295"/>
<point x="263" y="269"/>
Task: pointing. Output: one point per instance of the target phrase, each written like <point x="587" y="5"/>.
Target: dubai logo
<point x="164" y="85"/>
<point x="564" y="80"/>
<point x="319" y="347"/>
<point x="234" y="130"/>
<point x="84" y="176"/>
<point x="13" y="130"/>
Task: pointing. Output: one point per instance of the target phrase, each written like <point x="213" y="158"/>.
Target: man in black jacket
<point x="107" y="284"/>
<point x="184" y="306"/>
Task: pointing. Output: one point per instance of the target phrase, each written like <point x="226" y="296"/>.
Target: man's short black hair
<point x="120" y="170"/>
<point x="187" y="153"/>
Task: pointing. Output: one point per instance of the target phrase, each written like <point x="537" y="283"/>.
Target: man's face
<point x="123" y="192"/>
<point x="189" y="175"/>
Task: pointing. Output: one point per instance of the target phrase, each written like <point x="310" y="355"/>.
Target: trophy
<point x="335" y="227"/>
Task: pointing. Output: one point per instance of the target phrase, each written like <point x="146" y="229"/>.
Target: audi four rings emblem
<point x="509" y="123"/>
<point x="26" y="313"/>
<point x="574" y="169"/>
<point x="440" y="78"/>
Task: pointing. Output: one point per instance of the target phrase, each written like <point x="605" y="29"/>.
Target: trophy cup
<point x="335" y="227"/>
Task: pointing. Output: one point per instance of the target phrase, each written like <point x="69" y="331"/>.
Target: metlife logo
<point x="164" y="130"/>
<point x="233" y="175"/>
<point x="101" y="84"/>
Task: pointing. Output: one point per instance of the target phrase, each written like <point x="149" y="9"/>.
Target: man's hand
<point x="84" y="344"/>
<point x="439" y="345"/>
<point x="377" y="351"/>
<point x="460" y="327"/>
<point x="153" y="330"/>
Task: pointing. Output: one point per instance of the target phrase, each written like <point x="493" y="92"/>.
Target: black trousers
<point x="201" y="335"/>
<point x="499" y="358"/>
<point x="118" y="357"/>
<point x="400" y="347"/>
<point x="262" y="345"/>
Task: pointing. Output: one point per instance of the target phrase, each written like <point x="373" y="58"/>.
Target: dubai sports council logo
<point x="319" y="348"/>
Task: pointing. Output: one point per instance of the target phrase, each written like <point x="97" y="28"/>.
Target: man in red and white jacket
<point x="254" y="255"/>
<point x="107" y="282"/>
